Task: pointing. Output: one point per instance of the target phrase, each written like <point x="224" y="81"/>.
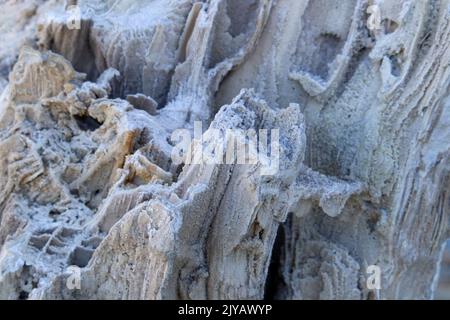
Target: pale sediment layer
<point x="89" y="117"/>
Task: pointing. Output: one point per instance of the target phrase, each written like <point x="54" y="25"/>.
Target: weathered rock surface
<point x="91" y="177"/>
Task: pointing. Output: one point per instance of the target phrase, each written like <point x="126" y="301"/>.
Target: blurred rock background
<point x="443" y="289"/>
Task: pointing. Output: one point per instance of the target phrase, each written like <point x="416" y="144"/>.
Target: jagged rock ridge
<point x="88" y="128"/>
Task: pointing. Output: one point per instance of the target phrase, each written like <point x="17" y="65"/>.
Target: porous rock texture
<point x="88" y="123"/>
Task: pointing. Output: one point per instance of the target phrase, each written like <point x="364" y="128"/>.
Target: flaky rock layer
<point x="99" y="199"/>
